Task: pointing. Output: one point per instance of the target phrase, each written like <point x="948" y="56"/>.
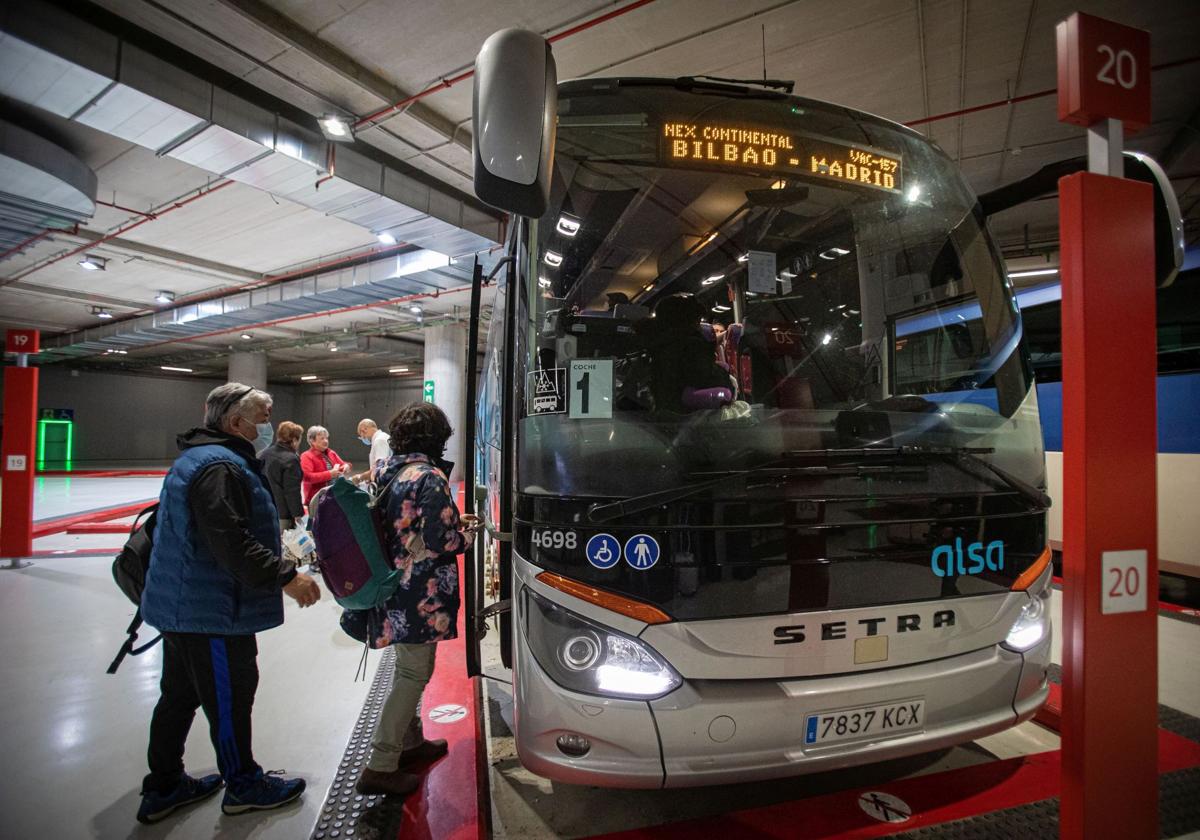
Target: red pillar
<point x="1110" y="663"/>
<point x="17" y="461"/>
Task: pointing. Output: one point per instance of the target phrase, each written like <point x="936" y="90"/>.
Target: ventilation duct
<point x="114" y="85"/>
<point x="42" y="186"/>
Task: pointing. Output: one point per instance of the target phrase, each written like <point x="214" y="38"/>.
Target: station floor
<point x="73" y="741"/>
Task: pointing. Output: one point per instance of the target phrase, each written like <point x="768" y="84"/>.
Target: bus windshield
<point x="728" y="283"/>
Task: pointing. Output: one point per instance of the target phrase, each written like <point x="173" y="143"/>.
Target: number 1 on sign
<point x="582" y="387"/>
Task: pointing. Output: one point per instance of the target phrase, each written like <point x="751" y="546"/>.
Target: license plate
<point x="865" y="721"/>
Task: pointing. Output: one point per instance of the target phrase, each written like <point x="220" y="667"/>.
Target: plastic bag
<point x="298" y="542"/>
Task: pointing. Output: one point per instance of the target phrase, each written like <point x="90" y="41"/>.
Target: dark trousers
<point x="219" y="674"/>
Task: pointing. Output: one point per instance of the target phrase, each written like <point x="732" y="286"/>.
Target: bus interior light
<point x="553" y="259"/>
<point x="708" y="281"/>
<point x="833" y="253"/>
<point x="544" y="282"/>
<point x="567" y="226"/>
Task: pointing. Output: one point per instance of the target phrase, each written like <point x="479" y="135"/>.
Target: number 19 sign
<point x="1103" y="72"/>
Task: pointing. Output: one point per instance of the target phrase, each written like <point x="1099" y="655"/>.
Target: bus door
<point x="489" y="566"/>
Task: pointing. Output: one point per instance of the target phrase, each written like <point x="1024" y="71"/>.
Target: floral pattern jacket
<point x="425" y="537"/>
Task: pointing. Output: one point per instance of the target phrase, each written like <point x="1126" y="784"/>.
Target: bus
<point x="1178" y="389"/>
<point x="743" y="525"/>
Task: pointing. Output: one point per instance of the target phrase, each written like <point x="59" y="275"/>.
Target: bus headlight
<point x="582" y="656"/>
<point x="1030" y="626"/>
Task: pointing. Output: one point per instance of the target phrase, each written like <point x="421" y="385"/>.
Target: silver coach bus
<point x="749" y="513"/>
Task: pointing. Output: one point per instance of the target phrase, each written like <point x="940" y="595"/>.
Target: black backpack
<point x="129" y="572"/>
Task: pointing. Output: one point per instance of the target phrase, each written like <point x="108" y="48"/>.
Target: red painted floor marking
<point x="75" y="552"/>
<point x="935" y="798"/>
<point x="452" y="803"/>
<point x="101" y="473"/>
<point x="99" y="528"/>
<point x="57" y="525"/>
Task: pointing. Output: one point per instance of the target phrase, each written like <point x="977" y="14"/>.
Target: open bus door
<point x="488" y="471"/>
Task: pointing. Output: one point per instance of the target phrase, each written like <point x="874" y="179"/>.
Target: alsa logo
<point x="948" y="561"/>
<point x="793" y="634"/>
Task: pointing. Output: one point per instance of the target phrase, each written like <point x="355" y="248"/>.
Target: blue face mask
<point x="364" y="440"/>
<point x="266" y="434"/>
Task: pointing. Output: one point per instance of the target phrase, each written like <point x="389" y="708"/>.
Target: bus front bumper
<point x="722" y="731"/>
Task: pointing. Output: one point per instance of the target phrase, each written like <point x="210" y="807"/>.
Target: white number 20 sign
<point x="1124" y="585"/>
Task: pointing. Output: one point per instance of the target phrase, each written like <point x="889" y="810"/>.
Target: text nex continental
<point x="733" y="147"/>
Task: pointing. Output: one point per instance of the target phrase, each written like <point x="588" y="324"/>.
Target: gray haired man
<point x="216" y="578"/>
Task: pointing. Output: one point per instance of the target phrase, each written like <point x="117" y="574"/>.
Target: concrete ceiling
<point x="906" y="61"/>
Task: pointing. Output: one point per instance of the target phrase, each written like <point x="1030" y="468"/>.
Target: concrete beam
<point x="199" y="263"/>
<point x="329" y="56"/>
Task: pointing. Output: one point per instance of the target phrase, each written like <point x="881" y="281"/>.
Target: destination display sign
<point x="747" y="148"/>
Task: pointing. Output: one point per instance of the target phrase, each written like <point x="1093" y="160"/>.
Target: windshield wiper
<point x="635" y="504"/>
<point x="961" y="456"/>
<point x="956" y="456"/>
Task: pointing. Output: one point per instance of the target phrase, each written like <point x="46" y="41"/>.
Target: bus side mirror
<point x="1168" y="222"/>
<point x="515" y="109"/>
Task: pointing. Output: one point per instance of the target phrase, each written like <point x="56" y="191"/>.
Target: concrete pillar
<point x="249" y="368"/>
<point x="446" y="367"/>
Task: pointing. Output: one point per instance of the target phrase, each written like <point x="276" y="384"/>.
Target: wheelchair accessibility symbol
<point x="603" y="551"/>
<point x="641" y="551"/>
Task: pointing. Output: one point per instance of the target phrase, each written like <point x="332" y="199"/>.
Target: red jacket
<point x="316" y="475"/>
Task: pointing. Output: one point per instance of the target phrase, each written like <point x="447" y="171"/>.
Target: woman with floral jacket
<point x="426" y="534"/>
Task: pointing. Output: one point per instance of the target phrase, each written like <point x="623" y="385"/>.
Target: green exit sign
<point x="428" y="392"/>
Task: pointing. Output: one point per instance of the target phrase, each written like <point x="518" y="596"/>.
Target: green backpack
<point x="351" y="532"/>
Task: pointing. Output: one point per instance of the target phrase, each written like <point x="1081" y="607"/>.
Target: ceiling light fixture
<point x="336" y="128"/>
<point x="385" y="238"/>
<point x="708" y="281"/>
<point x="246" y="336"/>
<point x="165" y="297"/>
<point x="828" y="338"/>
<point x="833" y="253"/>
<point x="567" y="226"/>
<point x="415" y="309"/>
<point x="176" y="369"/>
<point x="720" y="308"/>
<point x="743" y="258"/>
<point x="1035" y="273"/>
<point x="90" y="262"/>
<point x="309" y="378"/>
<point x="397" y="370"/>
<point x="553" y="259"/>
<point x="100" y="312"/>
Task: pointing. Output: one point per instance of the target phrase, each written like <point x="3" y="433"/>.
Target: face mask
<point x="364" y="440"/>
<point x="266" y="434"/>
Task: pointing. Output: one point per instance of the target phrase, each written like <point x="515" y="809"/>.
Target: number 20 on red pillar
<point x="1103" y="72"/>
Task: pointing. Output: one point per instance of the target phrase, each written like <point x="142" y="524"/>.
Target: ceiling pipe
<point x="1028" y="96"/>
<point x="126" y="209"/>
<point x="444" y="84"/>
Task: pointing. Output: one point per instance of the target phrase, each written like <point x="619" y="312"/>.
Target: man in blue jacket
<point x="215" y="580"/>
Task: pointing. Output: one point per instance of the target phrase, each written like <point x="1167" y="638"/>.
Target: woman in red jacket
<point x="319" y="463"/>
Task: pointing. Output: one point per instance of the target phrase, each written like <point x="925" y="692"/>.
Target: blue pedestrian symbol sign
<point x="641" y="551"/>
<point x="603" y="551"/>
